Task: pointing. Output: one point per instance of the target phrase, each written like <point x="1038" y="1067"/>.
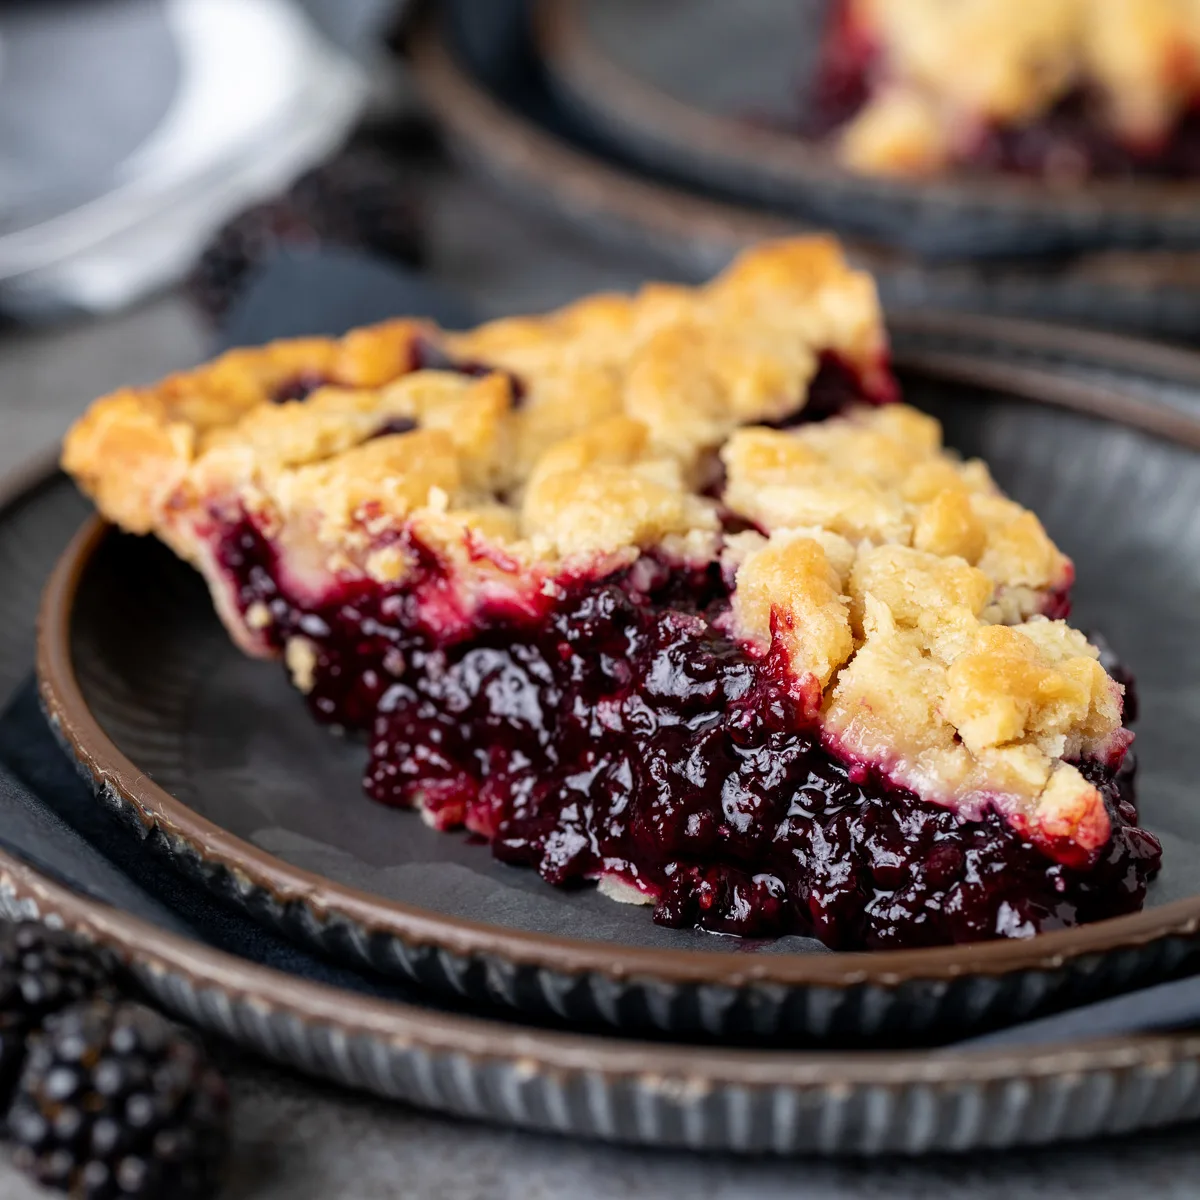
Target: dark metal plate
<point x="696" y="104"/>
<point x="214" y="760"/>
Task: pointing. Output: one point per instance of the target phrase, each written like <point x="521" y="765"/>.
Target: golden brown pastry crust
<point x="624" y="401"/>
<point x="900" y="588"/>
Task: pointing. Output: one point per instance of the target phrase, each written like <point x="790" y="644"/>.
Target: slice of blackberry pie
<point x="666" y="592"/>
<point x="1059" y="89"/>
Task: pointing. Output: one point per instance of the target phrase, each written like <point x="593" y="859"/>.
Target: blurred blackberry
<point x="357" y="201"/>
<point x="41" y="971"/>
<point x="117" y="1101"/>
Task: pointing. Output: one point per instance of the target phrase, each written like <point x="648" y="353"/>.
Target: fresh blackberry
<point x="41" y="971"/>
<point x="117" y="1101"/>
<point x="357" y="200"/>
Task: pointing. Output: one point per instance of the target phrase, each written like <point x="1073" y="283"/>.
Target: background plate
<point x="489" y="94"/>
<point x="696" y="105"/>
<point x="214" y="760"/>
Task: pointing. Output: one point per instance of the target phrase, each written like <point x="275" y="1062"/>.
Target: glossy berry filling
<point x="298" y="387"/>
<point x="834" y="388"/>
<point x="612" y="729"/>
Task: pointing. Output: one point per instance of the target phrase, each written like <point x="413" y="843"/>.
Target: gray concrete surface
<point x="295" y="1140"/>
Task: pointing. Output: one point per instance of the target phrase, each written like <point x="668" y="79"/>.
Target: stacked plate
<point x="353" y="942"/>
<point x="603" y="114"/>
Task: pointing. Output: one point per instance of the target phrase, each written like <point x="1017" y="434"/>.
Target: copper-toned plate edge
<point x="157" y="950"/>
<point x="636" y="103"/>
<point x="155" y="807"/>
<point x="164" y="953"/>
<point x="709" y="1096"/>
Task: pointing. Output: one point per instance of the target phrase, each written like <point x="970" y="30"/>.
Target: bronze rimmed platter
<point x="774" y="1101"/>
<point x="741" y="1100"/>
<point x="714" y="109"/>
<point x="498" y="121"/>
<point x="213" y="761"/>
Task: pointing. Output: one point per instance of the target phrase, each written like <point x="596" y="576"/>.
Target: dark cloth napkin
<point x="50" y="819"/>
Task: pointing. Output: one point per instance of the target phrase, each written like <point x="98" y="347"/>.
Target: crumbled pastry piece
<point x="598" y="492"/>
<point x="918" y="587"/>
<point x="620" y="891"/>
<point x="607" y="509"/>
<point x="900" y="132"/>
<point x="881" y="476"/>
<point x="917" y="683"/>
<point x="987" y="714"/>
<point x="789" y="591"/>
<point x="1039" y="682"/>
<point x="301" y="659"/>
<point x="943" y="74"/>
<point x="690" y="364"/>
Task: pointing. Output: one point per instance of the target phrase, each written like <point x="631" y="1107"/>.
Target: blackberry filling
<point x="394" y="426"/>
<point x="1069" y="141"/>
<point x="428" y="356"/>
<point x="611" y="729"/>
<point x="842" y="85"/>
<point x="298" y="387"/>
<point x="834" y="388"/>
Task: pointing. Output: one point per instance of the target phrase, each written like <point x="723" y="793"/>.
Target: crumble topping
<point x="880" y="476"/>
<point x="953" y="707"/>
<point x="893" y="652"/>
<point x="905" y="596"/>
<point x="947" y="69"/>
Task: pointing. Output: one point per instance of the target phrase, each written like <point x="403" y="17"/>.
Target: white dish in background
<point x="209" y="132"/>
